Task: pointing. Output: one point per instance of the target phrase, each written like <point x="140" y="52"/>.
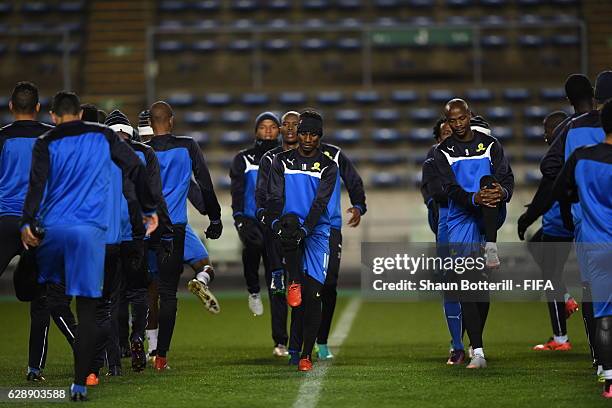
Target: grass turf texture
<point x="393" y="356"/>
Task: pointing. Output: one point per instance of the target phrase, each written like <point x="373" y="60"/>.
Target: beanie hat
<point x="144" y="123"/>
<point x="117" y="121"/>
<point x="266" y="115"/>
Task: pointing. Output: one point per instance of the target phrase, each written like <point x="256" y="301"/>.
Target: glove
<point x="523" y="223"/>
<point x="289" y="230"/>
<point x="136" y="255"/>
<point x="248" y="231"/>
<point x="165" y="249"/>
<point x="214" y="229"/>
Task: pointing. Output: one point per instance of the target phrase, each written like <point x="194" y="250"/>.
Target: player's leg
<point x="169" y="274"/>
<point x="123" y="321"/>
<point x="278" y="305"/>
<point x="454" y="321"/>
<point x="153" y="301"/>
<point x="196" y="255"/>
<point x="490" y="219"/>
<point x="39" y="336"/>
<point x="250" y="262"/>
<point x="329" y="293"/>
<point x="599" y="259"/>
<point x="10" y="241"/>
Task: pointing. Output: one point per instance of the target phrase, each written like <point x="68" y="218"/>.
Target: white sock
<point x="600" y="369"/>
<point x="479" y="352"/>
<point x="152" y="339"/>
<point x="491" y="245"/>
<point x="566" y="297"/>
<point x="561" y="339"/>
<point x="607" y="374"/>
<point x="203" y="277"/>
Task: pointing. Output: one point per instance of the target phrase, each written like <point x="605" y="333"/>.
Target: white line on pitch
<point x="309" y="392"/>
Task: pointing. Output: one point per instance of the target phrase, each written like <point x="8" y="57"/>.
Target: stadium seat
<point x="553" y="94"/>
<point x="565" y="2"/>
<point x="386" y="136"/>
<point x="255" y="99"/>
<point x="348" y="116"/>
<point x="536" y="112"/>
<point x="315" y="4"/>
<point x="533" y="132"/>
<point x="3" y="28"/>
<point x="71" y="7"/>
<point x="206" y="24"/>
<point x="278" y="23"/>
<point x="244" y="6"/>
<point x="530" y="3"/>
<point x="31" y="48"/>
<point x="531" y="41"/>
<point x="564" y="18"/>
<point x="493" y="3"/>
<point x="279" y="5"/>
<point x="330" y="98"/>
<point x="385" y="115"/>
<point x="36" y="7"/>
<point x="386" y="180"/>
<point x="235" y="138"/>
<point x="421" y="135"/>
<point x="350" y="22"/>
<point x="172" y="24"/>
<point x="502" y="113"/>
<point x="196" y="118"/>
<point x="277" y="45"/>
<point x="386" y="22"/>
<point x="459" y="20"/>
<point x="205" y="46"/>
<point x="208" y="6"/>
<point x="479" y="95"/>
<point x="345" y="137"/>
<point x="502" y="132"/>
<point x="421" y="21"/>
<point x="532" y="177"/>
<point x="387" y="158"/>
<point x="349" y="44"/>
<point x="349" y="4"/>
<point x="234" y="117"/>
<point x="33" y="26"/>
<point x="201" y="138"/>
<point x="5" y="8"/>
<point x="566" y="40"/>
<point x="516" y="94"/>
<point x="294" y="99"/>
<point x="458" y="3"/>
<point x="241" y="45"/>
<point x="425" y="114"/>
<point x="441" y="95"/>
<point x="314" y="44"/>
<point x="72" y="26"/>
<point x="73" y="47"/>
<point x="494" y="20"/>
<point x="218" y="99"/>
<point x="170" y="46"/>
<point x="314" y="23"/>
<point x="244" y="24"/>
<point x="493" y="41"/>
<point x="420" y="3"/>
<point x="173" y="6"/>
<point x="366" y="97"/>
<point x="387" y="4"/>
<point x="404" y="96"/>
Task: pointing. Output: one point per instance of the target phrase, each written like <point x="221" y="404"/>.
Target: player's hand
<point x="493" y="196"/>
<point x="214" y="229"/>
<point x="28" y="239"/>
<point x="355" y="216"/>
<point x="522" y="225"/>
<point x="151" y="222"/>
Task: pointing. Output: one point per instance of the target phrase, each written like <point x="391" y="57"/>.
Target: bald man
<point x="180" y="158"/>
<point x="478" y="180"/>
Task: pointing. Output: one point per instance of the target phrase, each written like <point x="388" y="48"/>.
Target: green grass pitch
<point x="394" y="355"/>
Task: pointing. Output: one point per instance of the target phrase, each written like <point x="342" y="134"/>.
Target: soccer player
<point x="586" y="179"/>
<point x="299" y="201"/>
<point x="478" y="181"/>
<point x="243" y="175"/>
<point x="551" y="259"/>
<point x="69" y="180"/>
<point x="179" y="159"/>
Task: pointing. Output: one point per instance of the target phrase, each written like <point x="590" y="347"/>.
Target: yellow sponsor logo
<point x="480" y="147"/>
<point x="328" y="154"/>
<point x="316" y="166"/>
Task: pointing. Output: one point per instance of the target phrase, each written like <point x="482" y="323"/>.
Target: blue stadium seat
<point x="279" y="5"/>
<point x="516" y="94"/>
<point x="292" y="98"/>
<point x="386" y="22"/>
<point x="386" y="136"/>
<point x="349" y="4"/>
<point x="565" y="2"/>
<point x="366" y="97"/>
<point x="201" y="138"/>
<point x="73" y="47"/>
<point x="234" y="117"/>
<point x="564" y="18"/>
<point x="387" y="158"/>
<point x="459" y="20"/>
<point x="421" y="21"/>
<point x="404" y="96"/>
<point x="479" y="95"/>
<point x="531" y="156"/>
<point x="348" y="116"/>
<point x="205" y="46"/>
<point x="345" y="137"/>
<point x="170" y="46"/>
<point x="420" y="3"/>
<point x="386" y="180"/>
<point x="536" y="112"/>
<point x="493" y="3"/>
<point x="197" y="118"/>
<point x="36" y="7"/>
<point x="172" y="6"/>
<point x="458" y="3"/>
<point x="502" y="113"/>
<point x="350" y="22"/>
<point x="531" y="19"/>
<point x="315" y="4"/>
<point x="424" y="114"/>
<point x="224" y="182"/>
<point x="313" y="23"/>
<point x="330" y="98"/>
<point x="241" y="45"/>
<point x="533" y="132"/>
<point x="208" y="6"/>
<point x="72" y="26"/>
<point x="235" y="138"/>
<point x="244" y="6"/>
<point x="314" y="44"/>
<point x="71" y="7"/>
<point x="531" y="41"/>
<point x="218" y="99"/>
<point x="255" y="99"/>
<point x="494" y="20"/>
<point x="172" y="24"/>
<point x="278" y="23"/>
<point x="33" y="26"/>
<point x="494" y="41"/>
<point x="243" y="24"/>
<point x="277" y="45"/>
<point x="529" y="3"/>
<point x="420" y="135"/>
<point x="206" y="24"/>
<point x="566" y="40"/>
<point x="5" y="8"/>
<point x="349" y="44"/>
<point x="441" y="95"/>
<point x="387" y="4"/>
<point x="553" y="94"/>
<point x="502" y="132"/>
<point x="385" y="115"/>
<point x="31" y="48"/>
<point x="181" y="99"/>
<point x="532" y="177"/>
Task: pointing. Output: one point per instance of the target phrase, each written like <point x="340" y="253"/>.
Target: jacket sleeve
<point x="565" y="190"/>
<point x="39" y="173"/>
<point x="353" y="182"/>
<point x="237" y="184"/>
<point x="431" y="185"/>
<point x="449" y="183"/>
<point x="155" y="182"/>
<point x="275" y="197"/>
<point x="202" y="177"/>
<point x="553" y="160"/>
<point x="502" y="170"/>
<point x="262" y="181"/>
<point x="195" y="197"/>
<point x="324" y="193"/>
